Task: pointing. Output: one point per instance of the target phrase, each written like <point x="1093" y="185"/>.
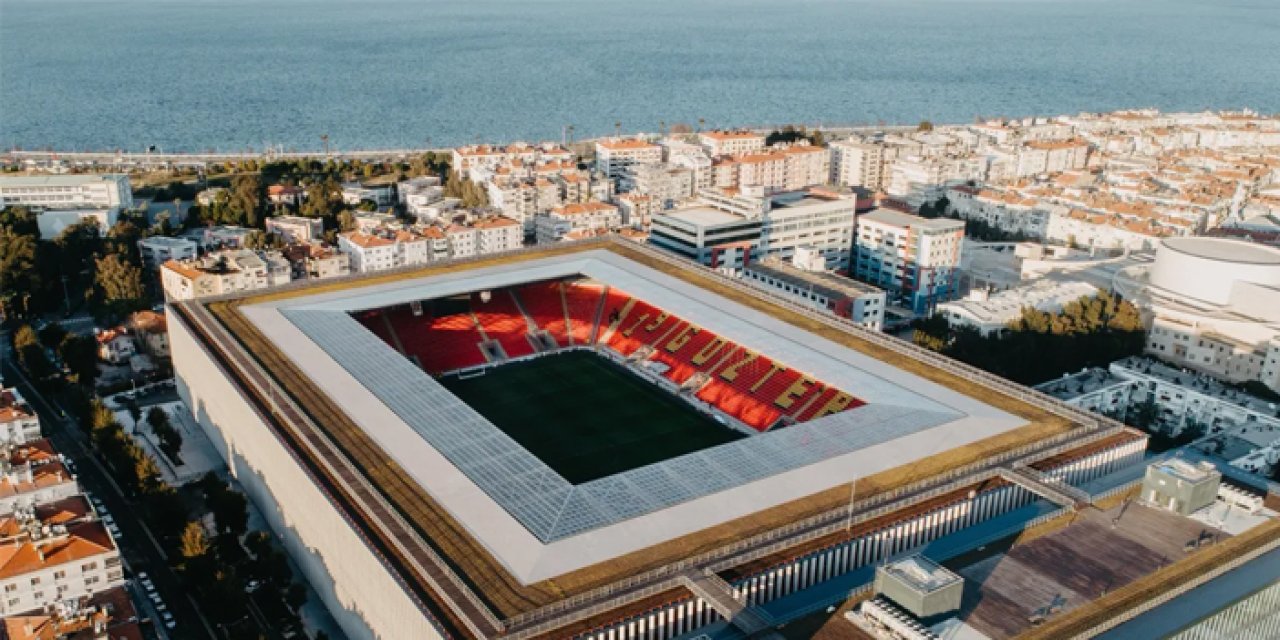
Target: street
<point x="139" y="548"/>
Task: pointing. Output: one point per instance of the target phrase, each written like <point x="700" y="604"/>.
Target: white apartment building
<point x="296" y="229"/>
<point x="222" y="272"/>
<point x="383" y="249"/>
<point x="991" y="313"/>
<point x="469" y="158"/>
<point x="497" y="234"/>
<point x="524" y="200"/>
<point x="614" y="156"/>
<point x="64" y="562"/>
<point x="157" y="250"/>
<point x="783" y="168"/>
<point x="583" y="217"/>
<point x="857" y="163"/>
<point x="730" y="143"/>
<point x="913" y="258"/>
<point x="32" y="473"/>
<point x="418" y="196"/>
<point x="637" y="209"/>
<point x="838" y="295"/>
<point x="18" y="423"/>
<point x="92" y="191"/>
<point x="1051" y="156"/>
<point x="462" y="241"/>
<point x="666" y="184"/>
<point x="353" y="193"/>
<point x="728" y="229"/>
<point x="317" y="261"/>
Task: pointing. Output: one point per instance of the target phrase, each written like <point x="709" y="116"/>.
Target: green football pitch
<point x="586" y="417"/>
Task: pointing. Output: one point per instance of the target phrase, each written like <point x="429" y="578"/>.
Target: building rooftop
<point x="921" y="573"/>
<point x="1187" y="471"/>
<point x="704" y="216"/>
<point x="1226" y="250"/>
<point x="75" y="180"/>
<point x="900" y="219"/>
<point x="828" y="284"/>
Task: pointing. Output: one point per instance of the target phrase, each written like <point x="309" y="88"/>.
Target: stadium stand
<point x="501" y="320"/>
<point x="439" y="344"/>
<point x="545" y="303"/>
<point x="756" y="390"/>
<point x="582" y="302"/>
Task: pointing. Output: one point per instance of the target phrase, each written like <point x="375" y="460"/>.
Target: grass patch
<point x="587" y="417"/>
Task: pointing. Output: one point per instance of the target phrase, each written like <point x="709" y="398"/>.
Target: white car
<point x="155" y="597"/>
<point x="169" y="622"/>
<point x="148" y="585"/>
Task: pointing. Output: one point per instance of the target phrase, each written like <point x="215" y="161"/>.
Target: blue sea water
<point x="235" y="74"/>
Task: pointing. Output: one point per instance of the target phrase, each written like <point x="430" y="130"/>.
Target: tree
<point x="245" y="198"/>
<point x="193" y="543"/>
<point x="21" y="220"/>
<point x="80" y="355"/>
<point x="924" y="125"/>
<point x="51" y="335"/>
<point x="119" y="284"/>
<point x="170" y="439"/>
<point x="31" y="354"/>
<point x="295" y="596"/>
<point x="19" y="278"/>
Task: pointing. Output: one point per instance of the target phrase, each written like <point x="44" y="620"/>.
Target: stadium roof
<point x="538" y="524"/>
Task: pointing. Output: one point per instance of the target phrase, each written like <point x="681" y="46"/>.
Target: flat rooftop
<point x="704" y="216"/>
<point x="399" y="425"/>
<point x="921" y="573"/>
<point x="828" y="284"/>
<point x="1194" y="473"/>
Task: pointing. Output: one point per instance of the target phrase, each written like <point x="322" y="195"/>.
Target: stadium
<point x="598" y="440"/>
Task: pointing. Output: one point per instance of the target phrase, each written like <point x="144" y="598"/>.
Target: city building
<point x="55" y="552"/>
<point x="615" y="156"/>
<point x="157" y="250"/>
<point x="920" y="586"/>
<point x="382" y="249"/>
<point x="18" y="423"/>
<point x="584" y="217"/>
<point x="783" y="168"/>
<point x="286" y="195"/>
<point x="857" y="163"/>
<point x="217" y="237"/>
<point x="115" y="345"/>
<point x="68" y="192"/>
<point x="818" y="288"/>
<point x="496" y="234"/>
<point x="729" y="228"/>
<point x="315" y="260"/>
<point x="383" y="195"/>
<point x="32" y="473"/>
<point x="420" y="196"/>
<point x="150" y="332"/>
<point x="1180" y="486"/>
<point x="104" y="615"/>
<point x="912" y="258"/>
<point x="222" y="272"/>
<point x="294" y="229"/>
<point x="1213" y="305"/>
<point x="990" y="313"/>
<point x="730" y="143"/>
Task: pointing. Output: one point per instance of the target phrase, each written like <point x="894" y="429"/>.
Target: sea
<point x="237" y="75"/>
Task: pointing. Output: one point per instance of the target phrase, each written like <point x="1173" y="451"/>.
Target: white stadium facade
<point x="416" y="516"/>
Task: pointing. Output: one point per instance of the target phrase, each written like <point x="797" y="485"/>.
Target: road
<point x="140" y="549"/>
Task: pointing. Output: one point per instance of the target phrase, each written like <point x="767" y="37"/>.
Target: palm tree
<point x="702" y="122"/>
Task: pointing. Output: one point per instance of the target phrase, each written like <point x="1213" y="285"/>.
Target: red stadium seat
<point x="501" y="320"/>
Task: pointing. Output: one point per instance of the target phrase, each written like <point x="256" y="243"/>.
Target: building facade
<point x="912" y="258"/>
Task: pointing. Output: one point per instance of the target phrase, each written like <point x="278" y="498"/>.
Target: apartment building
<point x="469" y="158"/>
<point x="18" y="423"/>
<point x="150" y="330"/>
<point x="496" y="234"/>
<point x="382" y="249"/>
<point x="1051" y="156"/>
<point x="637" y="209"/>
<point x="730" y="143"/>
<point x="316" y="260"/>
<point x="990" y="313"/>
<point x="381" y="195"/>
<point x="614" y="156"/>
<point x="914" y="259"/>
<point x="296" y="229"/>
<point x="728" y="228"/>
<point x="857" y="163"/>
<point x="32" y="473"/>
<point x="53" y="553"/>
<point x="525" y="199"/>
<point x="584" y="217"/>
<point x="838" y="295"/>
<point x="157" y="250"/>
<point x="783" y="168"/>
<point x="419" y="195"/>
<point x="69" y="192"/>
<point x="225" y="271"/>
<point x="115" y="345"/>
<point x="666" y="184"/>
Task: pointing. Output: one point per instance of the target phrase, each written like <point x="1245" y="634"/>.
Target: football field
<point x="586" y="417"/>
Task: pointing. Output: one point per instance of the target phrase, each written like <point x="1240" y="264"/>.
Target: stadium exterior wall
<point x="363" y="596"/>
